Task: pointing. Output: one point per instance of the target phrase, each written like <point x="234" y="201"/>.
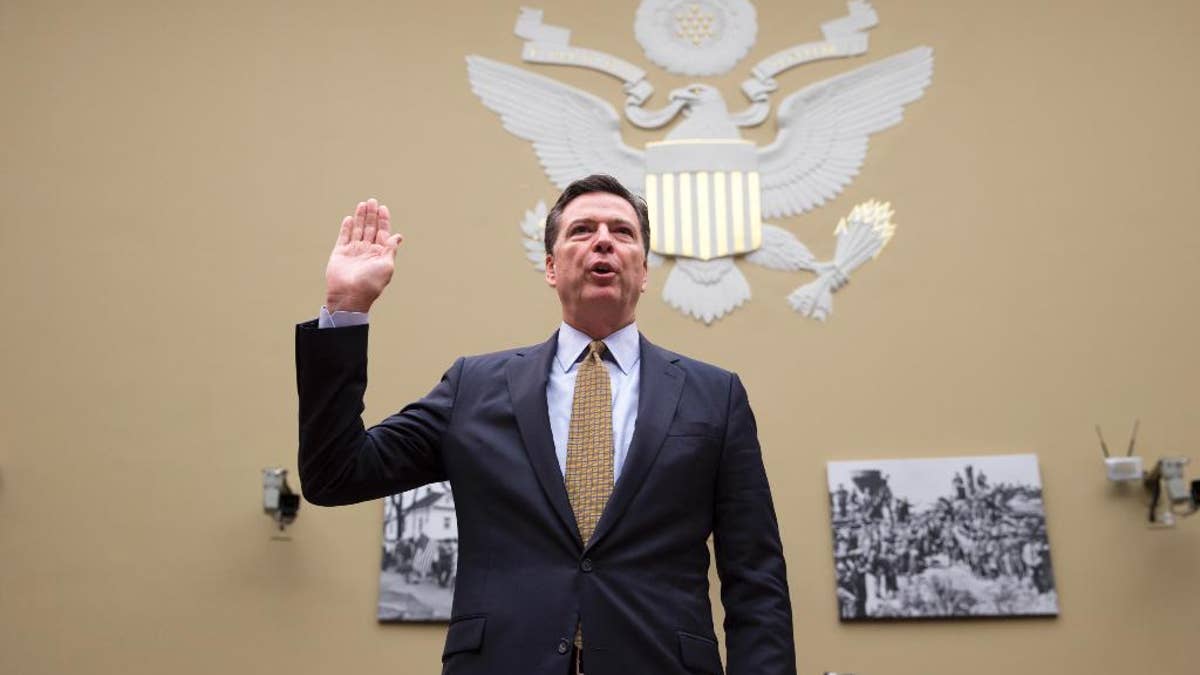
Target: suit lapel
<point x="660" y="386"/>
<point x="528" y="373"/>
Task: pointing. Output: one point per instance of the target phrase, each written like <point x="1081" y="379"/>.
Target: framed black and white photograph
<point x="954" y="537"/>
<point x="420" y="555"/>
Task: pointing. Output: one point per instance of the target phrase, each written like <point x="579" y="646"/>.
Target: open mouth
<point x="602" y="270"/>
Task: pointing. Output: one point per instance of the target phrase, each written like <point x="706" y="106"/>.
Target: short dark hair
<point x="597" y="182"/>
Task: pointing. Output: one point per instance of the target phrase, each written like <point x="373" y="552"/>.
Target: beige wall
<point x="173" y="175"/>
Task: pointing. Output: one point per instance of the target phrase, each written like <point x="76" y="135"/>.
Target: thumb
<point x="394" y="242"/>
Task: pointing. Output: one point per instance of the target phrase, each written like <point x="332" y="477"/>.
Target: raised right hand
<point x="362" y="260"/>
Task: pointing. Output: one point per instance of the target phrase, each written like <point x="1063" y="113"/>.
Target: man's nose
<point x="603" y="240"/>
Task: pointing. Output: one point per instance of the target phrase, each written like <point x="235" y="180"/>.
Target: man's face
<point x="598" y="263"/>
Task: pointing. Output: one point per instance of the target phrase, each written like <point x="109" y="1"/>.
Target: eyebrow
<point x="593" y="221"/>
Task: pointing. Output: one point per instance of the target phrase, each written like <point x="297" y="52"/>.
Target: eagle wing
<point x="573" y="132"/>
<point x="823" y="130"/>
<point x="533" y="229"/>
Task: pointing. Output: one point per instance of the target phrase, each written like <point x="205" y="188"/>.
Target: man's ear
<point x="551" y="274"/>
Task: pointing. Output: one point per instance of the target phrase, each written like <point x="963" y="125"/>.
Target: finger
<point x="344" y="233"/>
<point x="394" y="241"/>
<point x="385" y="219"/>
<point x="360" y="212"/>
<point x="371" y="223"/>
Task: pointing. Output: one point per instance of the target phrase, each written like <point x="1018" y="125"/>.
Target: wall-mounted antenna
<point x="1103" y="445"/>
<point x="1127" y="468"/>
<point x="1132" y="439"/>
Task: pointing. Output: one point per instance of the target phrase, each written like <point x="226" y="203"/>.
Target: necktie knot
<point x="597" y="348"/>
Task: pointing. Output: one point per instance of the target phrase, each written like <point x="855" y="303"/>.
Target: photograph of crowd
<point x="420" y="555"/>
<point x="953" y="537"/>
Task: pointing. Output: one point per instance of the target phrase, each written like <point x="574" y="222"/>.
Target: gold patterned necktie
<point x="590" y="447"/>
<point x="590" y="442"/>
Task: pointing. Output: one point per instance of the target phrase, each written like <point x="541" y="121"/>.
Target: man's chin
<point x="602" y="295"/>
<point x="602" y="302"/>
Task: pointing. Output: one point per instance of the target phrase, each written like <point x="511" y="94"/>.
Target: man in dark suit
<point x="588" y="471"/>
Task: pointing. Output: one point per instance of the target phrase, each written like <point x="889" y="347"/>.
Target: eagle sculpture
<point x="821" y="144"/>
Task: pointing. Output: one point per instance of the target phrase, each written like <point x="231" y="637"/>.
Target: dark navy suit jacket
<point x="640" y="586"/>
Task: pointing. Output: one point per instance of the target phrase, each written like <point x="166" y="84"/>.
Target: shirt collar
<point x="624" y="347"/>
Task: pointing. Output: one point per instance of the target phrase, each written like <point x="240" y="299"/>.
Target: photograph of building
<point x="420" y="555"/>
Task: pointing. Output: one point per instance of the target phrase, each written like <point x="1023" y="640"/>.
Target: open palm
<point x="362" y="260"/>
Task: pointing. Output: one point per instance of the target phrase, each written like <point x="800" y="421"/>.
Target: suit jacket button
<point x="586" y="565"/>
<point x="563" y="646"/>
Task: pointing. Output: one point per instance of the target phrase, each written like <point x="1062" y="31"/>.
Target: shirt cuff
<point x="340" y="319"/>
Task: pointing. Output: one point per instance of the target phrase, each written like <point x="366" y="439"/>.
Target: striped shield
<point x="703" y="196"/>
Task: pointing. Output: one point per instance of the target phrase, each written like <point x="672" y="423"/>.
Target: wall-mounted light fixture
<point x="279" y="501"/>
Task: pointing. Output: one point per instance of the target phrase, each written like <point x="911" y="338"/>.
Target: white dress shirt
<point x="622" y="359"/>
